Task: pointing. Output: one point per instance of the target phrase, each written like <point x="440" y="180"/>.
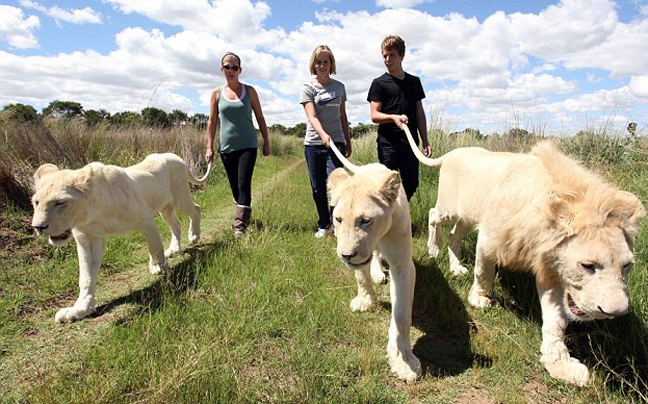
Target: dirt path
<point x="49" y="345"/>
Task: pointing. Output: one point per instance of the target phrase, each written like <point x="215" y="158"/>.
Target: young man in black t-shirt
<point x="395" y="99"/>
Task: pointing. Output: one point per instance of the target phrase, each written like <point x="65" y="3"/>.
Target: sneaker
<point x="320" y="233"/>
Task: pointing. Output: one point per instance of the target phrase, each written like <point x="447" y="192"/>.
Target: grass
<point x="266" y="319"/>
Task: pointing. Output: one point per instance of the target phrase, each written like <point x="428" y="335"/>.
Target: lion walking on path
<point x="99" y="200"/>
<point x="541" y="212"/>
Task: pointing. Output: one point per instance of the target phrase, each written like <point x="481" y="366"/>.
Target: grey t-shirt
<point x="327" y="101"/>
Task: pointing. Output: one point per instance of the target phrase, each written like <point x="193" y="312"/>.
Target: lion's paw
<point x="169" y="252"/>
<point x="193" y="238"/>
<point x="479" y="299"/>
<point x="361" y="303"/>
<point x="407" y="369"/>
<point x="433" y="250"/>
<point x="378" y="277"/>
<point x="69" y="314"/>
<point x="457" y="270"/>
<point x="156" y="269"/>
<point x="569" y="370"/>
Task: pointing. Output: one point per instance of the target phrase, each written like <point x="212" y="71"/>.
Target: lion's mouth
<point x="61" y="237"/>
<point x="573" y="307"/>
<point x="359" y="264"/>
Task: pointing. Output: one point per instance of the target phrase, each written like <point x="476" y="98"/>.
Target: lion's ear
<point x="626" y="210"/>
<point x="44" y="170"/>
<point x="391" y="186"/>
<point x="560" y="214"/>
<point x="337" y="177"/>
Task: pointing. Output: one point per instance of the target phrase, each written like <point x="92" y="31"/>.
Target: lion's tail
<point x="434" y="163"/>
<point x="347" y="164"/>
<point x="203" y="180"/>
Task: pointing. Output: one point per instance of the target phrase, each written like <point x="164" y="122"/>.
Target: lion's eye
<point x="588" y="267"/>
<point x="60" y="203"/>
<point x="365" y="220"/>
<point x="35" y="203"/>
<point x="626" y="268"/>
<point x="338" y="219"/>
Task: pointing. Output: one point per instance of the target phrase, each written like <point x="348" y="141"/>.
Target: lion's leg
<point x="457" y="235"/>
<point x="435" y="238"/>
<point x="366" y="294"/>
<point x="157" y="262"/>
<point x="192" y="210"/>
<point x="402" y="360"/>
<point x="90" y="251"/>
<point x="555" y="355"/>
<point x="376" y="269"/>
<point x="169" y="217"/>
<point x="481" y="290"/>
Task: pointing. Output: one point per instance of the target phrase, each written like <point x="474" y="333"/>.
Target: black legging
<point x="239" y="166"/>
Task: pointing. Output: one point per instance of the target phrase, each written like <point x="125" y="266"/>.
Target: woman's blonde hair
<point x="319" y="49"/>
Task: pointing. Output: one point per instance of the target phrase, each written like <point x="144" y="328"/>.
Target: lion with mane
<point x="541" y="212"/>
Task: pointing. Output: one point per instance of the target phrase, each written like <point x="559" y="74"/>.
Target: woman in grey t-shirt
<point x="324" y="101"/>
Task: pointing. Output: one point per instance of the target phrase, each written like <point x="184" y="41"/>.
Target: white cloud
<point x="493" y="72"/>
<point x="73" y="16"/>
<point x="16" y="29"/>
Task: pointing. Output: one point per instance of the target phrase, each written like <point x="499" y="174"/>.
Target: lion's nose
<point x="39" y="229"/>
<point x="619" y="310"/>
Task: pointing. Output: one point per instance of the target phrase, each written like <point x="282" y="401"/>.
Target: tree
<point x="20" y="113"/>
<point x="94" y="117"/>
<point x="63" y="109"/>
<point x="298" y="130"/>
<point x="277" y="128"/>
<point x="177" y="117"/>
<point x="125" y="118"/>
<point x="199" y="121"/>
<point x="362" y="129"/>
<point x="152" y="116"/>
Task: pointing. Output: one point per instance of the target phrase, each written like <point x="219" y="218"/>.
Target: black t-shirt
<point x="397" y="97"/>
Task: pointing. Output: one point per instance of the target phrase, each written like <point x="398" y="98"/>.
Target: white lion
<point x="98" y="200"/>
<point x="371" y="218"/>
<point x="545" y="213"/>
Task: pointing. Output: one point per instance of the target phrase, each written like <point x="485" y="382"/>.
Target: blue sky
<point x="554" y="67"/>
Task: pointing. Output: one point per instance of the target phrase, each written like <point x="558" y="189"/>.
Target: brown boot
<point x="241" y="220"/>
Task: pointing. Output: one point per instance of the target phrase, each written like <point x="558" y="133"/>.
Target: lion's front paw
<point x="69" y="314"/>
<point x="193" y="238"/>
<point x="569" y="370"/>
<point x="378" y="277"/>
<point x="406" y="367"/>
<point x="361" y="303"/>
<point x="433" y="250"/>
<point x="478" y="299"/>
<point x="156" y="269"/>
<point x="169" y="252"/>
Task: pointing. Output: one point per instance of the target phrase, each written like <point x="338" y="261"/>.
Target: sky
<point x="549" y="67"/>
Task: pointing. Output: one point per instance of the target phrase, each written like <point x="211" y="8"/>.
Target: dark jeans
<point x="239" y="166"/>
<point x="321" y="162"/>
<point x="396" y="154"/>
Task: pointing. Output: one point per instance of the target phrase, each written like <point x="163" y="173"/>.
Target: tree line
<point x="149" y="116"/>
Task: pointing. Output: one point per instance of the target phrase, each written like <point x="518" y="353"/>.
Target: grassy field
<point x="266" y="319"/>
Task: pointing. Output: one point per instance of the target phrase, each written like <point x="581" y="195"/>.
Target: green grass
<point x="266" y="319"/>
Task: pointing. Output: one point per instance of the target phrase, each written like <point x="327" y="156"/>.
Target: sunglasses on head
<point x="228" y="67"/>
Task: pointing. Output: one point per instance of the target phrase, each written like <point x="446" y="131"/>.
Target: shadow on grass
<point x="444" y="349"/>
<point x="176" y="281"/>
<point x="618" y="347"/>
